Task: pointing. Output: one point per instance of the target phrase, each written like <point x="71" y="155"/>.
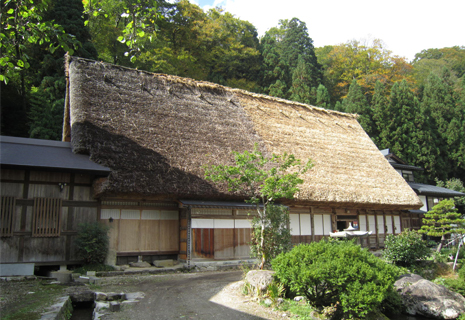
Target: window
<point x="46" y="217"/>
<point x="408" y="176"/>
<point x="7" y="216"/>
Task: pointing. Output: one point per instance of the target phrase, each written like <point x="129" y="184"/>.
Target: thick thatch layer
<point x="156" y="131"/>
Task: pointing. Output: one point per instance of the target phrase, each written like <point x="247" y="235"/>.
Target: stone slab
<point x="16" y="269"/>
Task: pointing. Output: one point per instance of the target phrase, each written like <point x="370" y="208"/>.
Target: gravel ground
<point x="206" y="295"/>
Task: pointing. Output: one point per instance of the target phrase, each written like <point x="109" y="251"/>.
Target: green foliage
<point x="355" y="102"/>
<point x="442" y="220"/>
<point x="93" y="267"/>
<point x="405" y="248"/>
<point x="462" y="272"/>
<point x="276" y="235"/>
<point x="456" y="285"/>
<point x="22" y="25"/>
<point x="328" y="272"/>
<point x="453" y="184"/>
<point x="263" y="179"/>
<point x="92" y="242"/>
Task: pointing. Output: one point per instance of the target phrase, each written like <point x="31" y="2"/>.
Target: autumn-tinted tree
<point x="365" y="62"/>
<point x="434" y="60"/>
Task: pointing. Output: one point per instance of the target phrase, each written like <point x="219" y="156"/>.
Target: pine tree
<point x="355" y="102"/>
<point x="442" y="220"/>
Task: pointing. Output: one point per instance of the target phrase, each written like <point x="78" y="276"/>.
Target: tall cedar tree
<point x="355" y="102"/>
<point x="47" y="101"/>
<point x="275" y="71"/>
<point x="400" y="132"/>
<point x="297" y="43"/>
<point x="379" y="103"/>
<point x="438" y="102"/>
<point x="322" y="97"/>
<point x="300" y="89"/>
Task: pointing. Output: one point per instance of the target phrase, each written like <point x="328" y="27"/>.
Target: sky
<point x="405" y="26"/>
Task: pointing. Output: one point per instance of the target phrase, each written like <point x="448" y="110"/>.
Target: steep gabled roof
<point x="157" y="131"/>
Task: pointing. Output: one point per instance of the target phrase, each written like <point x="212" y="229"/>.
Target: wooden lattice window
<point x="46" y="217"/>
<point x="7" y="216"/>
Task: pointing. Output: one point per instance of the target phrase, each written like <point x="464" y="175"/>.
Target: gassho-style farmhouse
<point x="133" y="151"/>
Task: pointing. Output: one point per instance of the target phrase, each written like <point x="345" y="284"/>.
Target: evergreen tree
<point x="355" y="102"/>
<point x="297" y="43"/>
<point x="322" y="97"/>
<point x="300" y="90"/>
<point x="400" y="134"/>
<point x="379" y="104"/>
<point x="438" y="103"/>
<point x="275" y="71"/>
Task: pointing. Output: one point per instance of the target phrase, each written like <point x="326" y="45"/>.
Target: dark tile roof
<point x="45" y="154"/>
<point x="405" y="166"/>
<point x="426" y="189"/>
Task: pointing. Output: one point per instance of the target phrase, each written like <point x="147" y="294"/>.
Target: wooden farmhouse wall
<point x="40" y="213"/>
<point x="149" y="229"/>
<point x="315" y="223"/>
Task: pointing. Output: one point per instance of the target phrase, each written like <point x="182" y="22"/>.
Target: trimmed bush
<point x="406" y="248"/>
<point x="336" y="272"/>
<point x="92" y="242"/>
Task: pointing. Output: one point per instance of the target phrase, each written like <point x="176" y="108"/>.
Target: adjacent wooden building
<point x="46" y="192"/>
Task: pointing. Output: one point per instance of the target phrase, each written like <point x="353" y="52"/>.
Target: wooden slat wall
<point x="53" y="243"/>
<point x="203" y="243"/>
<point x="47" y="217"/>
<point x="8" y="206"/>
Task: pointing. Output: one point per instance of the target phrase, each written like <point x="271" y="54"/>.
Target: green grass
<point x="300" y="310"/>
<point x="31" y="305"/>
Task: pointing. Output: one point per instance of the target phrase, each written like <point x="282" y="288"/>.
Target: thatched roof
<point x="156" y="131"/>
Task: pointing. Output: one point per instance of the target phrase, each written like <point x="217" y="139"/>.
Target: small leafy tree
<point x="92" y="242"/>
<point x="442" y="220"/>
<point x="406" y="248"/>
<point x="277" y="235"/>
<point x="264" y="179"/>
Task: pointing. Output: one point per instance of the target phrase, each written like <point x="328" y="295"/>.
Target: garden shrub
<point x="328" y="272"/>
<point x="462" y="272"/>
<point x="405" y="248"/>
<point x="92" y="242"/>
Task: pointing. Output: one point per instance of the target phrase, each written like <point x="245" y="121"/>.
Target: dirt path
<point x="215" y="295"/>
